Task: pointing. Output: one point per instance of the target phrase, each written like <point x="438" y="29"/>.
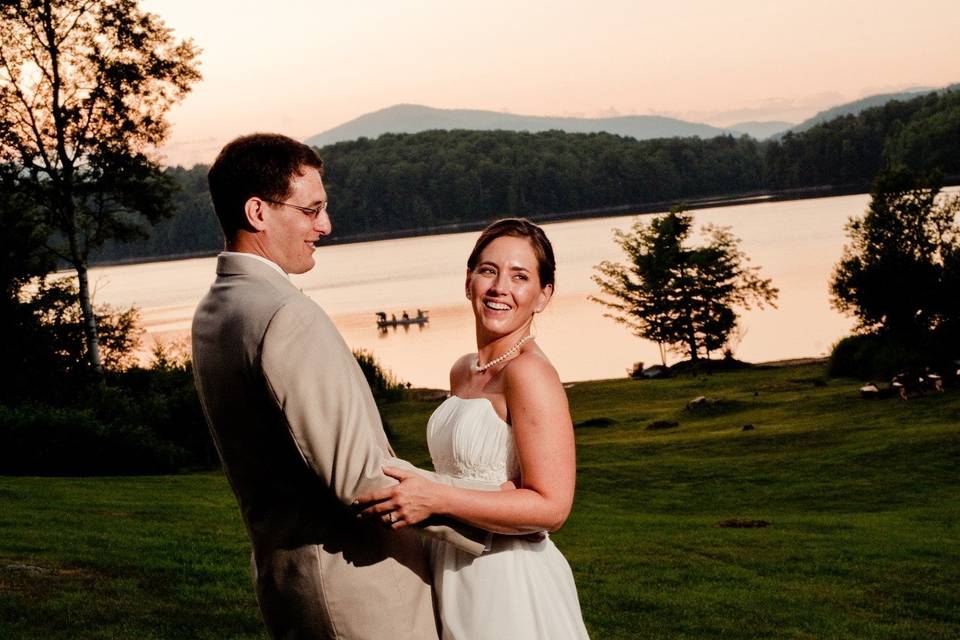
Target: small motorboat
<point x="405" y="319"/>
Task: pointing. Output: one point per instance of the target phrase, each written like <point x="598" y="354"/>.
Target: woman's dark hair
<point x="260" y="165"/>
<point x="519" y="228"/>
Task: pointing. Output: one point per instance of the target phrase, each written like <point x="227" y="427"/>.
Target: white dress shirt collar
<point x="272" y="264"/>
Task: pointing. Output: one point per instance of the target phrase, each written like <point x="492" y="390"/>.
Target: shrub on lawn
<point x="138" y="421"/>
<point x="878" y="355"/>
<point x="55" y="441"/>
<point x="383" y="383"/>
<point x="135" y="421"/>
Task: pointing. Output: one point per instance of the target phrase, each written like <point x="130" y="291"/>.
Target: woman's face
<point x="504" y="288"/>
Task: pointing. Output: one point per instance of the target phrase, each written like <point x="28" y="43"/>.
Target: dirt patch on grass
<point x="702" y="406"/>
<point x="25" y="569"/>
<point x="816" y="381"/>
<point x="657" y="425"/>
<point x="37" y="579"/>
<point x="742" y="523"/>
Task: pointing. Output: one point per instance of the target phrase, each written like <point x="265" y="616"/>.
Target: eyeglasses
<point x="313" y="212"/>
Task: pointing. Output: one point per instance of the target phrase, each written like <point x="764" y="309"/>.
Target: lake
<point x="796" y="243"/>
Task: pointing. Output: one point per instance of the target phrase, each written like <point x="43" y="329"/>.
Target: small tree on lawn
<point x="681" y="297"/>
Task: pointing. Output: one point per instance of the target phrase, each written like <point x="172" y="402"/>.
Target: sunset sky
<point x="300" y="67"/>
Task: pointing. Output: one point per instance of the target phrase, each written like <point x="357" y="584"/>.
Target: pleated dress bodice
<point x="467" y="439"/>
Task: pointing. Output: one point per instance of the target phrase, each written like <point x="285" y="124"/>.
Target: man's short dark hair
<point x="259" y="165"/>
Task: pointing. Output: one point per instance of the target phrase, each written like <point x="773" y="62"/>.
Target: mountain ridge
<point x="413" y="118"/>
<point x="858" y="106"/>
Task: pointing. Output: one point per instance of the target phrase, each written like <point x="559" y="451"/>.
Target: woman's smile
<point x="496" y="306"/>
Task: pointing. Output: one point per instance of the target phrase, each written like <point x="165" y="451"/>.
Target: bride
<point x="506" y="418"/>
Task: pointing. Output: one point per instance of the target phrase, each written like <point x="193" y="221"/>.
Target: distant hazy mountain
<point x="761" y="130"/>
<point x="855" y="107"/>
<point x="411" y="118"/>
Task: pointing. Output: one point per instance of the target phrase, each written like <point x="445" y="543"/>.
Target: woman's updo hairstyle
<point x="519" y="228"/>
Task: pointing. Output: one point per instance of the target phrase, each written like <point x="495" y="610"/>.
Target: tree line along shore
<point x="400" y="185"/>
<point x="726" y="200"/>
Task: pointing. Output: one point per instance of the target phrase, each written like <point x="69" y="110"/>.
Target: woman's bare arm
<point x="543" y="433"/>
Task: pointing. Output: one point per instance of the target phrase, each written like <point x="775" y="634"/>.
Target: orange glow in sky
<point x="300" y="67"/>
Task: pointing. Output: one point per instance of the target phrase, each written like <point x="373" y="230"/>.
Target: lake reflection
<point x="795" y="243"/>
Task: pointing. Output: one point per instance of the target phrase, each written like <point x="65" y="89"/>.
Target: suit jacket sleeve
<point x="330" y="412"/>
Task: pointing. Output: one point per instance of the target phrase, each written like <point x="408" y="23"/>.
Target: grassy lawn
<point x="862" y="500"/>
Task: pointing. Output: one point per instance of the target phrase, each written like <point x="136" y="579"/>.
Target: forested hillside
<point x="440" y="177"/>
<point x="923" y="133"/>
<point x="410" y="182"/>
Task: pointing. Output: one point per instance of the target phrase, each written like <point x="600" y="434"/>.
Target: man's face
<point x="290" y="233"/>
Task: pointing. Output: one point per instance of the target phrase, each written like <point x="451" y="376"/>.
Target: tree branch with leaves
<point x="84" y="92"/>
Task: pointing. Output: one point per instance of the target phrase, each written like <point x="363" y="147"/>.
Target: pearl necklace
<point x="480" y="368"/>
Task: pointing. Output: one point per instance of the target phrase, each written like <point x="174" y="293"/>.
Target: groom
<point x="292" y="416"/>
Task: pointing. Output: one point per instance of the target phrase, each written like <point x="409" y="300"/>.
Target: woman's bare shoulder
<point x="461" y="368"/>
<point x="533" y="391"/>
<point x="533" y="369"/>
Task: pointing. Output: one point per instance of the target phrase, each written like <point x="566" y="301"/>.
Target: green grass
<point x="862" y="497"/>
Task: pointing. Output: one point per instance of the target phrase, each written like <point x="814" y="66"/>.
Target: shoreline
<point x="716" y="201"/>
<point x="431" y="393"/>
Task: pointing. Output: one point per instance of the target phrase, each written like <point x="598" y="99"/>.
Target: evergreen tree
<point x="680" y="297"/>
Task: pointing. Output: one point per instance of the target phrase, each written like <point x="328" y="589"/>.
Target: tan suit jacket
<point x="300" y="437"/>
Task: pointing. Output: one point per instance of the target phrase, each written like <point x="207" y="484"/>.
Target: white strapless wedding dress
<point x="518" y="590"/>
